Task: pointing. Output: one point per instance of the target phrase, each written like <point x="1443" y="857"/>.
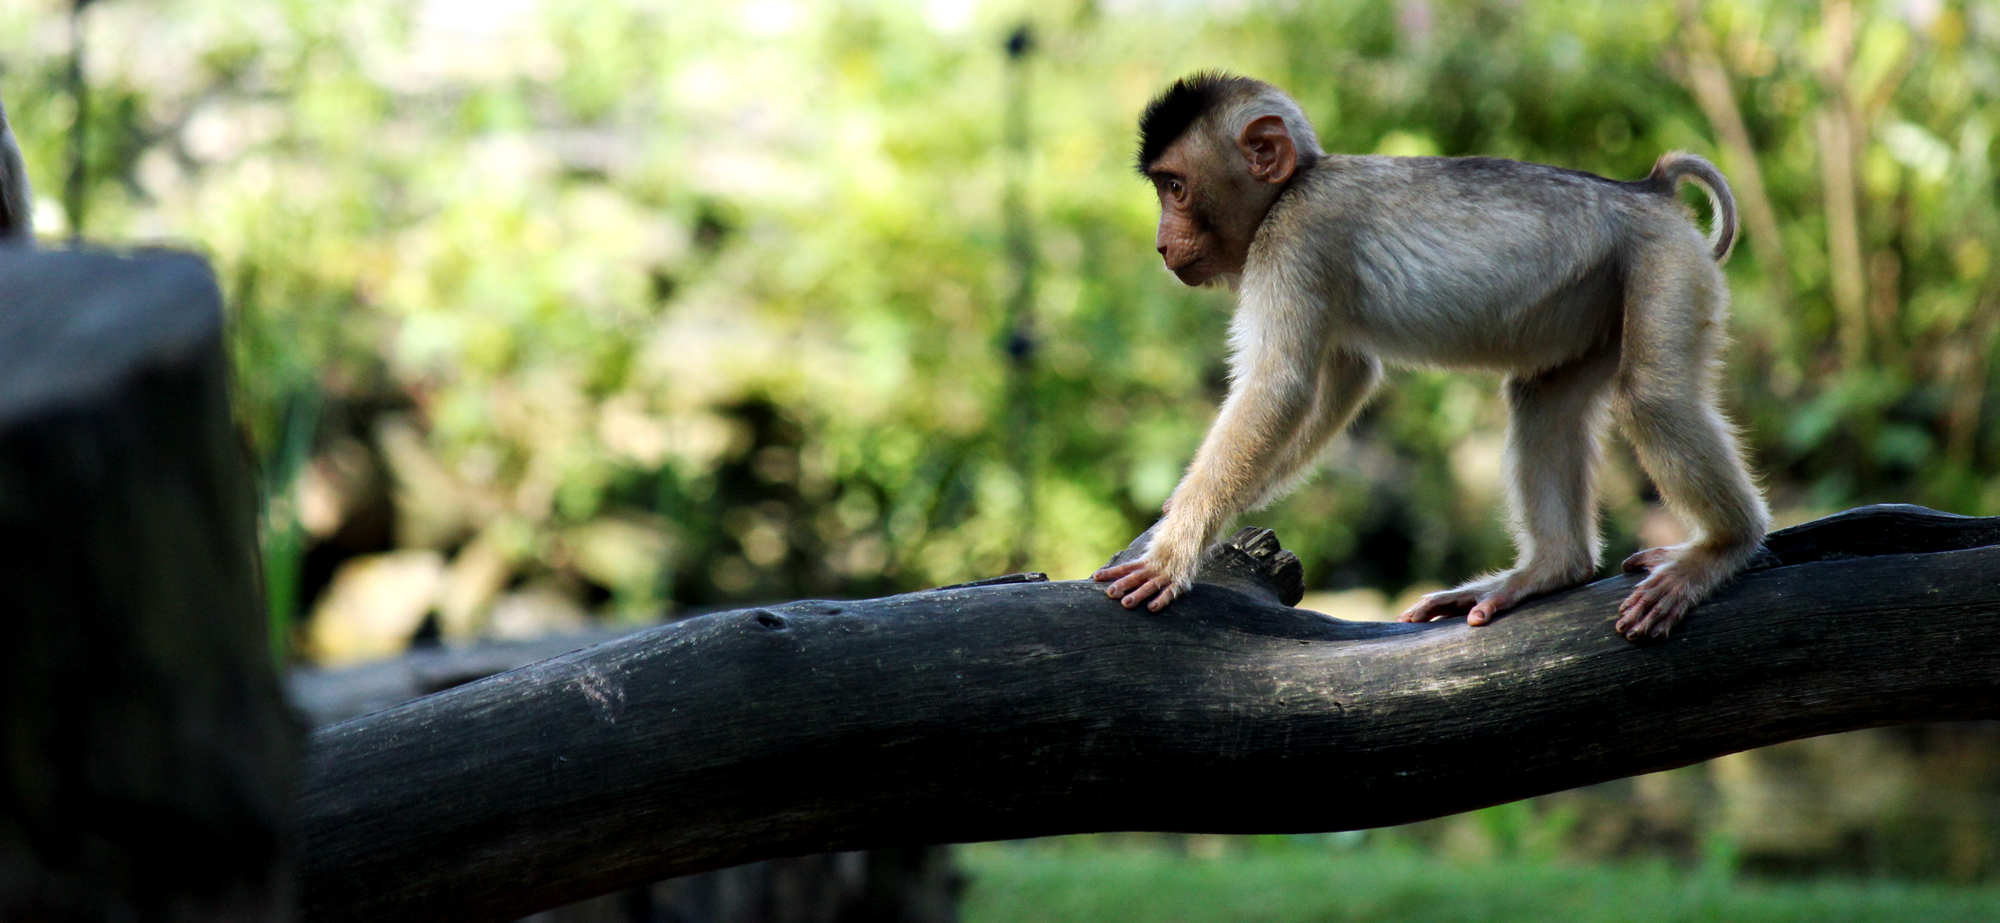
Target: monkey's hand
<point x="1160" y="575"/>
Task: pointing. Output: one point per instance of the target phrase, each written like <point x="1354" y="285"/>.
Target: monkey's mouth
<point x="1193" y="274"/>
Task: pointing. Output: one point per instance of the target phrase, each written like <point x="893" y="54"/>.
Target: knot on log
<point x="1254" y="554"/>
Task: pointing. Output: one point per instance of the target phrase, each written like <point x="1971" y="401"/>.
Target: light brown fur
<point x="1598" y="300"/>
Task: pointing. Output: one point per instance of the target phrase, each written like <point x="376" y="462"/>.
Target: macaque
<point x="17" y="203"/>
<point x="1599" y="300"/>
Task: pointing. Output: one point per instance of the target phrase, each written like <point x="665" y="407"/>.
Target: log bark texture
<point x="1028" y="708"/>
<point x="146" y="752"/>
<point x="909" y="884"/>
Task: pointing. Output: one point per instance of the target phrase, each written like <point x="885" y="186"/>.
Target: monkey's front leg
<point x="1270" y="427"/>
<point x="1229" y="471"/>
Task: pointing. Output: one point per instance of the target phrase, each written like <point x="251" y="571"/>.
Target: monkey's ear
<point x="1267" y="146"/>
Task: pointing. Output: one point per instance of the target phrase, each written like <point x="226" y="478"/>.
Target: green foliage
<point x="734" y="276"/>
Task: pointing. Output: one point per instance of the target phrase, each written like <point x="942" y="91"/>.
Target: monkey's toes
<point x="1490" y="606"/>
<point x="1647" y="560"/>
<point x="1653" y="609"/>
<point x="1436" y="606"/>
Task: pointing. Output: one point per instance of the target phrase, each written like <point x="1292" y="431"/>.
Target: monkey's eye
<point x="1174" y="188"/>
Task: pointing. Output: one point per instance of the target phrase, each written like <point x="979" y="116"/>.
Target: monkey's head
<point x="1218" y="149"/>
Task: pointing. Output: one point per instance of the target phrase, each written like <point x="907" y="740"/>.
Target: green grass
<point x="1037" y="883"/>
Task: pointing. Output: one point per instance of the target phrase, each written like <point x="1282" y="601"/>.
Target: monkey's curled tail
<point x="1676" y="167"/>
<point x="17" y="208"/>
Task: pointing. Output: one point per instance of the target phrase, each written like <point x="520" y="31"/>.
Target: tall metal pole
<point x="1020" y="342"/>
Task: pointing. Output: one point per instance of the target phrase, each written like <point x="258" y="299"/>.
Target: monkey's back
<point x="1470" y="261"/>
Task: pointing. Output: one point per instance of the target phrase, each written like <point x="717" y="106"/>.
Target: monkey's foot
<point x="1479" y="603"/>
<point x="1661" y="600"/>
<point x="1483" y="599"/>
<point x="1656" y="605"/>
<point x="1648" y="560"/>
<point x="1135" y="582"/>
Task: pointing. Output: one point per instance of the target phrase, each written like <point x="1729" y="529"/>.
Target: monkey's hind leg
<point x="1553" y="454"/>
<point x="1666" y="404"/>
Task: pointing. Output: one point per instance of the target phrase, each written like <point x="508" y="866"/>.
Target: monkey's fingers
<point x="1136" y="585"/>
<point x="1115" y="571"/>
<point x="1168" y="592"/>
<point x="1157" y="588"/>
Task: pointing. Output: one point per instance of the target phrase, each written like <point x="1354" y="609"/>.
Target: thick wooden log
<point x="1031" y="708"/>
<point x="149" y="754"/>
<point x="913" y="884"/>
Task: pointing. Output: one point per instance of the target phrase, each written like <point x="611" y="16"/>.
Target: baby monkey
<point x="1598" y="300"/>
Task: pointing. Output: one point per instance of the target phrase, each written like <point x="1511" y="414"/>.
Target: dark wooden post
<point x="148" y="754"/>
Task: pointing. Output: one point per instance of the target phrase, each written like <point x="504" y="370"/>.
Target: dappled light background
<point x="553" y="313"/>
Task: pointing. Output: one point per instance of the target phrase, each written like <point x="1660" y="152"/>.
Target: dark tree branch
<point x="1034" y="708"/>
<point x="1885" y="528"/>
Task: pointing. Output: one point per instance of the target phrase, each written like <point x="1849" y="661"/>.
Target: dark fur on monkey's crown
<point x="1168" y="116"/>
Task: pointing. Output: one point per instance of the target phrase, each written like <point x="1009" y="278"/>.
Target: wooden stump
<point x="149" y="756"/>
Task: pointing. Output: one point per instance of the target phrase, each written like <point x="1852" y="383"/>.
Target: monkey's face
<point x="1211" y="203"/>
<point x="1190" y="239"/>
